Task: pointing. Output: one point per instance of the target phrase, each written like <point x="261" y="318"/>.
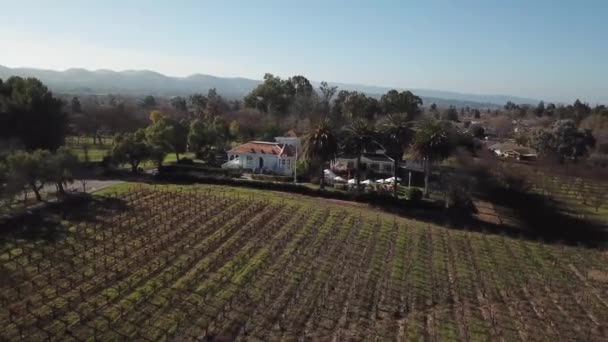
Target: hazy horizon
<point x="548" y="50"/>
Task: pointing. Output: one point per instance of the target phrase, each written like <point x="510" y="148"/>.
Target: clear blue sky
<point x="554" y="50"/>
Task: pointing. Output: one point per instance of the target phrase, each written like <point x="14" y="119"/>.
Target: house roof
<point x="263" y="148"/>
<point x="377" y="157"/>
<point x="523" y="151"/>
<point x="510" y="146"/>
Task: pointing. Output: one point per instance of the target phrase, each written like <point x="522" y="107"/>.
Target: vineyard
<point x="584" y="190"/>
<point x="182" y="264"/>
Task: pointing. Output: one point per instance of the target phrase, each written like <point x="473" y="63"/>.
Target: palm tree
<point x="432" y="143"/>
<point x="321" y="146"/>
<point x="397" y="136"/>
<point x="359" y="135"/>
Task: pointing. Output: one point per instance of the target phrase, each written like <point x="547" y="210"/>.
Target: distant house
<point x="278" y="157"/>
<point x="377" y="162"/>
<point x="291" y="137"/>
<point x="412" y="165"/>
<point x="263" y="157"/>
<point x="513" y="150"/>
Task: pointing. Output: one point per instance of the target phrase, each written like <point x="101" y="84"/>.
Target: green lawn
<point x="96" y="152"/>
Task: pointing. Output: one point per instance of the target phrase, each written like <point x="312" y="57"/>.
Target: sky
<point x="545" y="49"/>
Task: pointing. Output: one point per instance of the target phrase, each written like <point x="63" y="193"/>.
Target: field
<point x="163" y="262"/>
<point x="96" y="152"/>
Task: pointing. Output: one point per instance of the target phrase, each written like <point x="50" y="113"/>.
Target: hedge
<point x="369" y="198"/>
<point x="413" y="194"/>
<point x="272" y="178"/>
<point x="197" y="168"/>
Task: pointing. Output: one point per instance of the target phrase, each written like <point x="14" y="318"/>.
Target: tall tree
<point x="63" y="164"/>
<point x="540" y="109"/>
<point x="33" y="168"/>
<point x="76" y="106"/>
<point x="132" y="149"/>
<point x="179" y="103"/>
<point x="431" y="144"/>
<point x="301" y="85"/>
<point x="168" y="135"/>
<point x="304" y="97"/>
<point x="148" y="102"/>
<point x="397" y="129"/>
<point x="199" y="104"/>
<point x="564" y="140"/>
<point x="327" y="93"/>
<point x="273" y="96"/>
<point x="550" y="109"/>
<point x="215" y="103"/>
<point x="511" y="106"/>
<point x="357" y="105"/>
<point x="320" y="147"/>
<point x="450" y="114"/>
<point x="32" y="114"/>
<point x="394" y="102"/>
<point x="580" y="111"/>
<point x="203" y="137"/>
<point x="360" y="135"/>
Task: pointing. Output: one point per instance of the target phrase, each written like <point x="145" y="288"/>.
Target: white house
<point x="263" y="157"/>
<point x="378" y="162"/>
<point x="513" y="150"/>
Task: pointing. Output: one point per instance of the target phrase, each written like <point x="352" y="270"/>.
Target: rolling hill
<point x="145" y="82"/>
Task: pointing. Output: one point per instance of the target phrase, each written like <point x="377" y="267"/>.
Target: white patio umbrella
<point x="366" y="182"/>
<point x="351" y="181"/>
<point x="329" y="174"/>
<point x="339" y="179"/>
<point x="392" y="179"/>
<point x="381" y="181"/>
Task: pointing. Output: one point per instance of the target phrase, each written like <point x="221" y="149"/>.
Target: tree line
<point x="34" y="123"/>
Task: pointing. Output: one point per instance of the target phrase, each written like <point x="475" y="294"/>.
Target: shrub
<point x="200" y="169"/>
<point x="370" y="198"/>
<point x="106" y="162"/>
<point x="413" y="194"/>
<point x="185" y="161"/>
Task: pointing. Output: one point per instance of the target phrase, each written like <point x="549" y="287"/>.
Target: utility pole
<point x="295" y="167"/>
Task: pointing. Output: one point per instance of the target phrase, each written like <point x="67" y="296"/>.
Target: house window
<point x="350" y="165"/>
<point x="249" y="160"/>
<point x="289" y="164"/>
<point x="375" y="166"/>
<point x="283" y="163"/>
<point x="387" y="167"/>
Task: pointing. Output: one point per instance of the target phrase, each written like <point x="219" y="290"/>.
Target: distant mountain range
<point x="145" y="82"/>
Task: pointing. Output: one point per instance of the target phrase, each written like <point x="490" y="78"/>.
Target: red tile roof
<point x="262" y="147"/>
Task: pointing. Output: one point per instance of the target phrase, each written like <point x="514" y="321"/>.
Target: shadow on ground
<point x="44" y="223"/>
<point x="533" y="215"/>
